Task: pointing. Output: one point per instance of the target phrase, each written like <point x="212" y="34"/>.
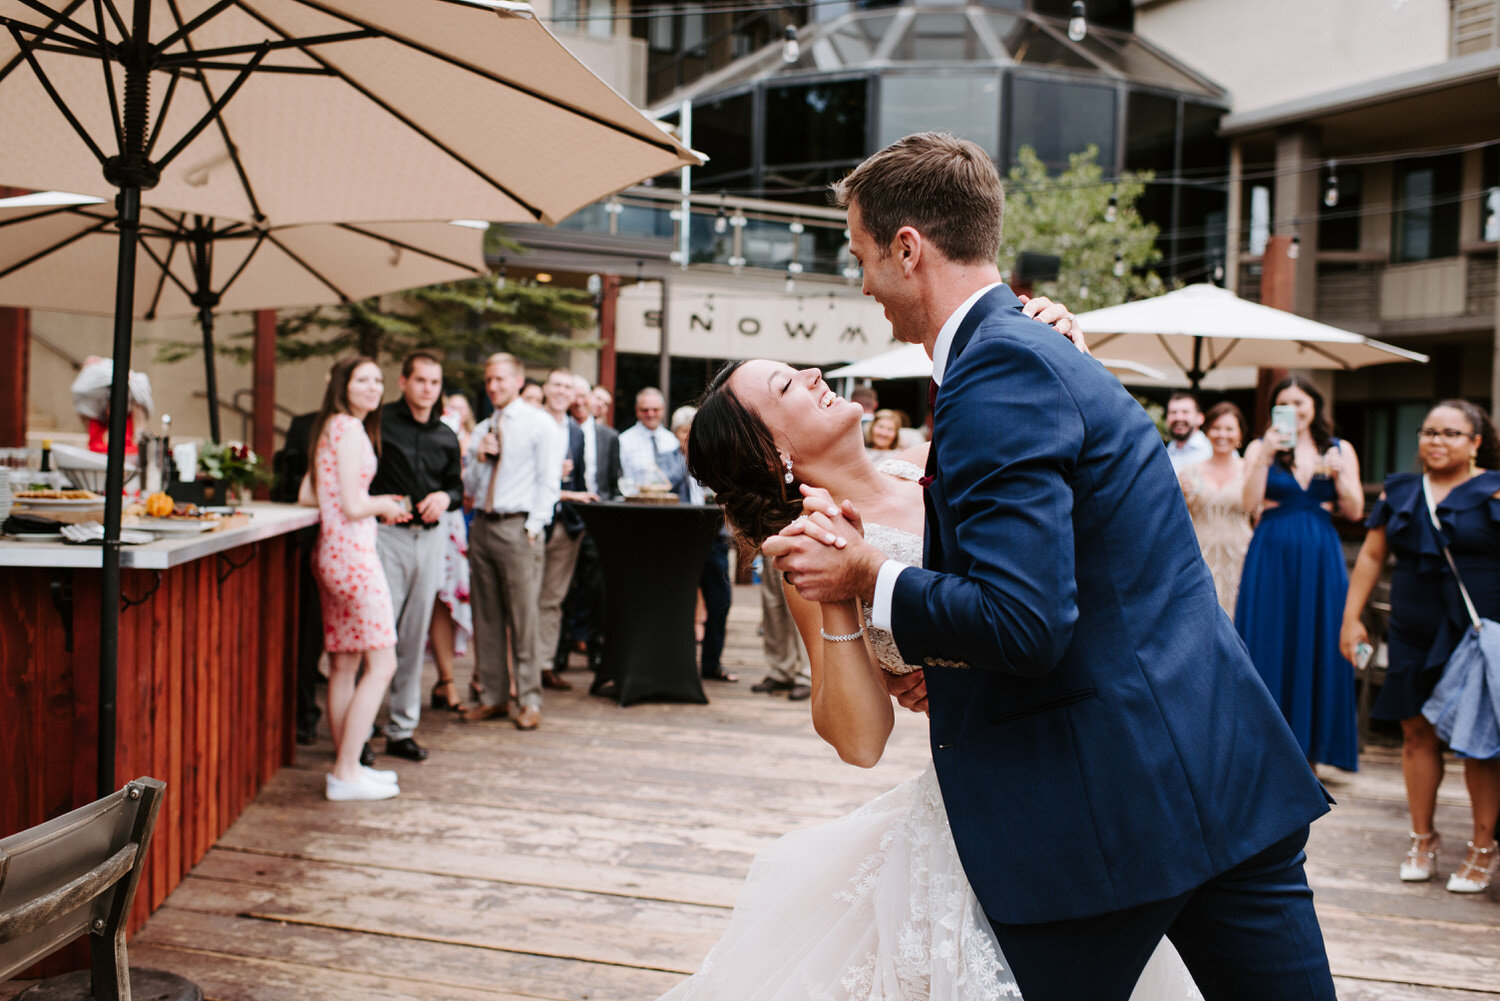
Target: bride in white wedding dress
<point x="873" y="906"/>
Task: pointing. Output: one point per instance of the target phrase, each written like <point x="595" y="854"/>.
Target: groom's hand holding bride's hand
<point x="823" y="554"/>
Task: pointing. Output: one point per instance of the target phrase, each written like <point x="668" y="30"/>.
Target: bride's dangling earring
<point x="786" y="460"/>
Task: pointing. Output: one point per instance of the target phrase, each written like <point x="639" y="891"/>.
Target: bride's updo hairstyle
<point x="731" y="451"/>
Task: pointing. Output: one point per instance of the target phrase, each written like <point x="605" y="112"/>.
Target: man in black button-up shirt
<point x="419" y="460"/>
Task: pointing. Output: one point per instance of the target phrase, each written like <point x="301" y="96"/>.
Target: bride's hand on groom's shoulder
<point x="1058" y="317"/>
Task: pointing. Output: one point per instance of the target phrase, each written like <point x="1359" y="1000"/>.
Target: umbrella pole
<point x="129" y="203"/>
<point x="210" y="370"/>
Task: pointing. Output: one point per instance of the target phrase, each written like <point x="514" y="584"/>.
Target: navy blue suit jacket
<point x="1108" y="742"/>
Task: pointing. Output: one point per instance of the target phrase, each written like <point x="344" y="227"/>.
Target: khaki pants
<point x="559" y="557"/>
<point x="502" y="591"/>
<point x="779" y="631"/>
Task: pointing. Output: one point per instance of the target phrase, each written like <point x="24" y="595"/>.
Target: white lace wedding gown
<point x="874" y="906"/>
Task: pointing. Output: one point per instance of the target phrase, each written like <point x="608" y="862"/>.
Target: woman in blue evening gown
<point x="1292" y="590"/>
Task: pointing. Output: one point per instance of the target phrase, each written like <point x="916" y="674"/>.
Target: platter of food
<point x="177" y="526"/>
<point x="43" y="499"/>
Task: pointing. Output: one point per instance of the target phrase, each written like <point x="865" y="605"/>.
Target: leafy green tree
<point x="1066" y="215"/>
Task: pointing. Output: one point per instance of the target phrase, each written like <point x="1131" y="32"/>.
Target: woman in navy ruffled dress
<point x="1460" y="458"/>
<point x="1293" y="586"/>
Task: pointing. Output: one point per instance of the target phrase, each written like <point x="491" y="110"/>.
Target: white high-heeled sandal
<point x="1419" y="866"/>
<point x="1474" y="877"/>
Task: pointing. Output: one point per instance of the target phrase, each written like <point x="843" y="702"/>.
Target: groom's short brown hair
<point x="945" y="187"/>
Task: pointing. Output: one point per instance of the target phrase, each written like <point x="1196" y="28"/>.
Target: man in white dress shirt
<point x="648" y="451"/>
<point x="514" y="486"/>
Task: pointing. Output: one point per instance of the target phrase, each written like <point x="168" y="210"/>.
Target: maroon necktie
<point x="932" y="388"/>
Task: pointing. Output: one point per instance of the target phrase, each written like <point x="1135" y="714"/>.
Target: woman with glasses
<point x="1293" y="585"/>
<point x="1460" y="458"/>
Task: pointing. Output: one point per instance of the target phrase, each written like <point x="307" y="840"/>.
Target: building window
<point x="816" y="122"/>
<point x="1489" y="193"/>
<point x="586" y="17"/>
<point x="724" y="129"/>
<point x="1338" y="225"/>
<point x="1425" y="221"/>
<point x="1057" y="119"/>
<point x="967" y="106"/>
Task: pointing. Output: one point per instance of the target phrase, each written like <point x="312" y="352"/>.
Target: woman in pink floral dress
<point x="359" y="623"/>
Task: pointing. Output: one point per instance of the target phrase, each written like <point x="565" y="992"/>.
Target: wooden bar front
<point x="206" y="685"/>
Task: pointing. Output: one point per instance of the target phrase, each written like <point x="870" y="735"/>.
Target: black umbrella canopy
<point x="299" y="111"/>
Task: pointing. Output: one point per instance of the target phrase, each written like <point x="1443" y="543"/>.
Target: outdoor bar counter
<point x="208" y="631"/>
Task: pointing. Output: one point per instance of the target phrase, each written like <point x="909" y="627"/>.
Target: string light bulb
<point x="1331" y="190"/>
<point x="1119" y="268"/>
<point x="1294" y="250"/>
<point x="1112" y="210"/>
<point x="721" y="221"/>
<point x="1078" y="25"/>
<point x="500" y="275"/>
<point x="791" y="49"/>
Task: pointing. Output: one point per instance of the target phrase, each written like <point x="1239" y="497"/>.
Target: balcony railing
<point x="723" y="229"/>
<point x="1353" y="292"/>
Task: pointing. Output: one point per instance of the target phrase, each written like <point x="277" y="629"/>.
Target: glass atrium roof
<point x="960" y="37"/>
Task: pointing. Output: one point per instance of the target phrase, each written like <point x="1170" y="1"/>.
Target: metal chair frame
<point x="77" y="875"/>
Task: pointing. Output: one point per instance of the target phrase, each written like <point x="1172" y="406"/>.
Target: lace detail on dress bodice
<point x="898" y="545"/>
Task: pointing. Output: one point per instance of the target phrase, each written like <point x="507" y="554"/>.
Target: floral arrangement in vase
<point x="233" y="463"/>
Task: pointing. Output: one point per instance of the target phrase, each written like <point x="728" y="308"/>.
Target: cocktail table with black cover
<point x="652" y="555"/>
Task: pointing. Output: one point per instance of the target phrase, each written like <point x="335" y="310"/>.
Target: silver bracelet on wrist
<point x="842" y="637"/>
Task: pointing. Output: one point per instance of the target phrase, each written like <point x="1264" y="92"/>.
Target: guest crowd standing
<point x="359" y="622"/>
<point x="513" y="480"/>
<point x="1460" y="457"/>
<point x="419" y="461"/>
<point x="1214" y="490"/>
<point x="1294" y="581"/>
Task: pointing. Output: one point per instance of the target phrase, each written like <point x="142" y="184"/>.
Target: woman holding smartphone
<point x="1292" y="589"/>
<point x="1460" y="458"/>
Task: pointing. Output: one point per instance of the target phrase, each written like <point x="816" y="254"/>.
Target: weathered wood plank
<point x="596" y="858"/>
<point x="463" y="966"/>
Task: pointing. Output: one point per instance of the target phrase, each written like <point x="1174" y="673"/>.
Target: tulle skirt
<point x="873" y="906"/>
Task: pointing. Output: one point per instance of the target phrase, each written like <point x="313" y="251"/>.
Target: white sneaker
<point x="362" y="788"/>
<point x="378" y="774"/>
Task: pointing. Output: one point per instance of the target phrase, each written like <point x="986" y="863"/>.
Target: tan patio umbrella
<point x="300" y="111"/>
<point x="54" y="245"/>
<point x="1201" y="328"/>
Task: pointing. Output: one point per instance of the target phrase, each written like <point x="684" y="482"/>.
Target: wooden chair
<point x="77" y="875"/>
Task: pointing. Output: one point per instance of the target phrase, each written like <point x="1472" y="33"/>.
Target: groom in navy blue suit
<point x="1113" y="767"/>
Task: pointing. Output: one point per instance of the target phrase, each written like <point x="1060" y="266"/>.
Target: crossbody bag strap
<point x="1438" y="528"/>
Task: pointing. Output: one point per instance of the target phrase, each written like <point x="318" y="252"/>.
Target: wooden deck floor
<point x="597" y="859"/>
